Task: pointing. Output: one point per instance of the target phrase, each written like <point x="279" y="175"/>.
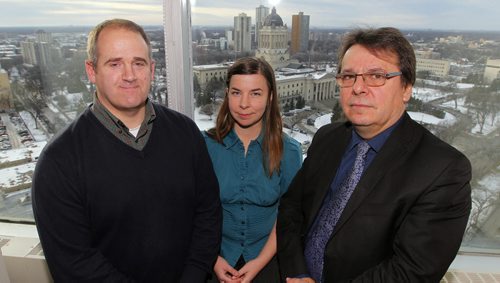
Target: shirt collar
<point x="232" y="138"/>
<point x="376" y="142"/>
<point x="149" y="115"/>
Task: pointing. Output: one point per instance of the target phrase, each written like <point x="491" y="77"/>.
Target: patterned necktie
<point x="330" y="213"/>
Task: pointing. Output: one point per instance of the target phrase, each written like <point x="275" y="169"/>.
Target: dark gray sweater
<point x="107" y="212"/>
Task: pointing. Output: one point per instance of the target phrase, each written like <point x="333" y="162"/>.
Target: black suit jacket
<point x="404" y="221"/>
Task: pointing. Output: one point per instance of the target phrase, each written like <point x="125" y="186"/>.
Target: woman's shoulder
<point x="290" y="144"/>
<point x="208" y="138"/>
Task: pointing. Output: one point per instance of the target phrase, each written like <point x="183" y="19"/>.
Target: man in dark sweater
<point x="126" y="193"/>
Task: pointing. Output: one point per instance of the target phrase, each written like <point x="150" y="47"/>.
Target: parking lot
<point x="13" y="131"/>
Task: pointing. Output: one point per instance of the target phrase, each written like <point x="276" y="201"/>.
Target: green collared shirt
<point x="118" y="128"/>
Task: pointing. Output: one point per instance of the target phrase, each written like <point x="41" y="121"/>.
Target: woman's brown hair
<point x="272" y="145"/>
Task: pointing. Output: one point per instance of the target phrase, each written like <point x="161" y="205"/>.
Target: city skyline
<point x="466" y="15"/>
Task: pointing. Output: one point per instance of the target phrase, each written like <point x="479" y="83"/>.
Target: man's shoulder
<point x="333" y="130"/>
<point x="168" y="115"/>
<point x="64" y="142"/>
<point x="70" y="130"/>
<point x="428" y="144"/>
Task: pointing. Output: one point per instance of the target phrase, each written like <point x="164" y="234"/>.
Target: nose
<point x="244" y="101"/>
<point x="128" y="72"/>
<point x="359" y="85"/>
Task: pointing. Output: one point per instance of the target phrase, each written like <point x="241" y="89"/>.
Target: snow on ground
<point x="298" y="136"/>
<point x="37" y="133"/>
<point x="31" y="153"/>
<point x="323" y="120"/>
<point x="17" y="175"/>
<point x="488" y="126"/>
<point x="491" y="181"/>
<point x="460" y="105"/>
<point x="203" y="121"/>
<point x="426" y="94"/>
<point x="424" y="118"/>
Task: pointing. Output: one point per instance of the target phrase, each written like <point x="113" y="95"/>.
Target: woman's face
<point x="247" y="97"/>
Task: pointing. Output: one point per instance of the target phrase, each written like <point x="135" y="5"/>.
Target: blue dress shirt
<point x="249" y="197"/>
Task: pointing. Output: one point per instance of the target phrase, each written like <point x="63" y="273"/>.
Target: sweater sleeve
<point x="207" y="222"/>
<point x="63" y="224"/>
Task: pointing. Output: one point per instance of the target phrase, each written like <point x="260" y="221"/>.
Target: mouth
<point x="129" y="87"/>
<point x="244" y="115"/>
<point x="359" y="105"/>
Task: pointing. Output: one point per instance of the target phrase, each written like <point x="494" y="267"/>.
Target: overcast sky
<point x="404" y="14"/>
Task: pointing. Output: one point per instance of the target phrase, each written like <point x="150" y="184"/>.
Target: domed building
<point x="273" y="41"/>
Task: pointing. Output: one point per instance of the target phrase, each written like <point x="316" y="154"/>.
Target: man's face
<point x="124" y="71"/>
<point x="372" y="109"/>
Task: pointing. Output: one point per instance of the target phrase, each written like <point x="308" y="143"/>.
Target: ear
<point x="152" y="70"/>
<point x="407" y="91"/>
<point x="90" y="70"/>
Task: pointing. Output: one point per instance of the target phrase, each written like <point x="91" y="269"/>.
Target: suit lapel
<point x="326" y="165"/>
<point x="395" y="150"/>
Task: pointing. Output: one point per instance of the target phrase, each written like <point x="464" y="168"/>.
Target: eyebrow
<point x="117" y="59"/>
<point x="255" y="89"/>
<point x="376" y="69"/>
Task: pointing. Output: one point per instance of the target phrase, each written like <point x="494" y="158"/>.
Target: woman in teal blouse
<point x="254" y="162"/>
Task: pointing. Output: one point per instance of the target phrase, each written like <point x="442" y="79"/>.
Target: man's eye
<point x="375" y="76"/>
<point x="348" y="77"/>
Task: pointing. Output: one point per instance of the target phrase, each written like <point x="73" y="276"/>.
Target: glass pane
<point x="457" y="94"/>
<point x="43" y="85"/>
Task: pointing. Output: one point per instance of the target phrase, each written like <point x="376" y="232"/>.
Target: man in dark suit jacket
<point x="405" y="218"/>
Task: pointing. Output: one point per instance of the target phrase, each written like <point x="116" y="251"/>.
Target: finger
<point x="232" y="271"/>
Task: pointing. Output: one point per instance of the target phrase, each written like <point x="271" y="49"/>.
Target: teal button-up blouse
<point x="249" y="198"/>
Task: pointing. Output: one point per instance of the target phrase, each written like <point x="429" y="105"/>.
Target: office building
<point x="273" y="42"/>
<point x="242" y="33"/>
<point x="6" y="99"/>
<point x="300" y="33"/>
<point x="261" y="13"/>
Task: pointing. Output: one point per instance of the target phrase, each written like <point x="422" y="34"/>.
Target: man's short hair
<point x="386" y="40"/>
<point x="113" y="23"/>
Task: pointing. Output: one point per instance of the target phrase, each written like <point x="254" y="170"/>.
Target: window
<point x="457" y="94"/>
<point x="43" y="85"/>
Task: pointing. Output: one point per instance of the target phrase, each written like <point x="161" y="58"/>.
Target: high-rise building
<point x="261" y="13"/>
<point x="38" y="52"/>
<point x="273" y="41"/>
<point x="300" y="33"/>
<point x="242" y="33"/>
<point x="6" y="100"/>
<point x="42" y="36"/>
<point x="28" y="52"/>
<point x="44" y="53"/>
